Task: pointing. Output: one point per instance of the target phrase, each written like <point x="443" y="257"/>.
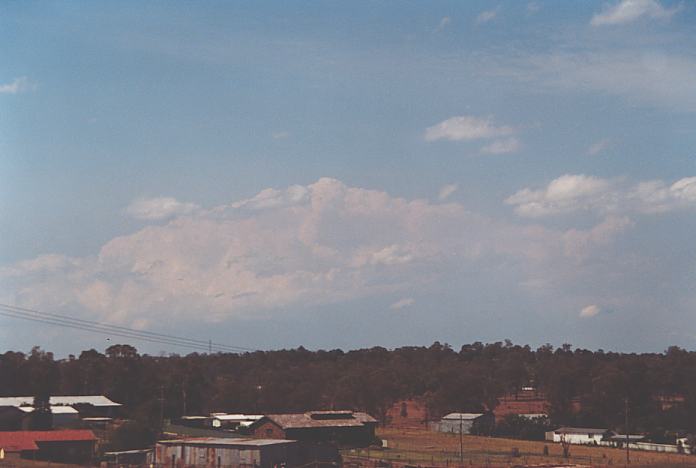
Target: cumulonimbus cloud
<point x="321" y="243"/>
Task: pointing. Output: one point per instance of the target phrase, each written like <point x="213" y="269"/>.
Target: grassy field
<point x="426" y="448"/>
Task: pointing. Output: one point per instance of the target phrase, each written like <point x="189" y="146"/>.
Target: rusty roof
<point x="235" y="442"/>
<point x="17" y="441"/>
<point x="305" y="420"/>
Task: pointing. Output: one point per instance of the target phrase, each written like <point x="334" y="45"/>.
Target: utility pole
<point x="628" y="457"/>
<point x="461" y="438"/>
<point x="161" y="407"/>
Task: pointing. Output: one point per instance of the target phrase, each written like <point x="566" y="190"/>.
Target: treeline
<point x="468" y="379"/>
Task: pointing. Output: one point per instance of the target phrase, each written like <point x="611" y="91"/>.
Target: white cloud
<point x="533" y="7"/>
<point x="272" y="198"/>
<point x="280" y="135"/>
<point x="507" y="145"/>
<point x="589" y="311"/>
<point x="446" y="191"/>
<point x="599" y="147"/>
<point x="466" y="128"/>
<point x="580" y="243"/>
<point x="486" y="16"/>
<point x="401" y="303"/>
<point x="642" y="77"/>
<point x="302" y="246"/>
<point x="159" y="208"/>
<point x="444" y="22"/>
<point x="628" y="11"/>
<point x="17" y="86"/>
<point x="572" y="193"/>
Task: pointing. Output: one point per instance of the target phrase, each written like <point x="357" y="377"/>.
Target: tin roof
<point x="66" y="400"/>
<point x="17" y="441"/>
<point x="579" y="430"/>
<point x="306" y="420"/>
<point x="237" y="417"/>
<point x="54" y="409"/>
<point x="463" y="416"/>
<point x="226" y="442"/>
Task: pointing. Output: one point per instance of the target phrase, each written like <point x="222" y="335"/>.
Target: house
<point x="577" y="435"/>
<point x="464" y="422"/>
<point x="410" y="413"/>
<point x="527" y="400"/>
<point x="66" y="446"/>
<point x="215" y="452"/>
<point x="342" y="428"/>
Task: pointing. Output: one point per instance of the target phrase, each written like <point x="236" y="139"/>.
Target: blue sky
<point x="275" y="174"/>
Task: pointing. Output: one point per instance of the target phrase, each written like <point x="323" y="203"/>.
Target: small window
<point x="269" y="432"/>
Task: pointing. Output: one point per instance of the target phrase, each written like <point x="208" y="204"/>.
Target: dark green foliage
<point x="471" y="380"/>
<point x="132" y="435"/>
<point x="519" y="427"/>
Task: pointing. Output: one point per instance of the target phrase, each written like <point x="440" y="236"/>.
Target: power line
<point x="105" y="331"/>
<point x="116" y="330"/>
<point x="22" y="310"/>
<point x="111" y="333"/>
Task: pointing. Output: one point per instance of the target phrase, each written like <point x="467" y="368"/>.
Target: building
<point x="411" y="413"/>
<point x="220" y="452"/>
<point x="464" y="422"/>
<point x="234" y="422"/>
<point x="85" y="405"/>
<point x="342" y="428"/>
<point x="527" y="401"/>
<point x="61" y="416"/>
<point x="577" y="435"/>
<point x="143" y="457"/>
<point x="66" y="446"/>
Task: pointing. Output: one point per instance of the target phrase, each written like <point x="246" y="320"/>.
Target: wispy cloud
<point x="589" y="311"/>
<point x="17" y="86"/>
<point x="280" y="135"/>
<point x="401" y="303"/>
<point x="153" y="209"/>
<point x="488" y="15"/>
<point x="651" y="78"/>
<point x="444" y="22"/>
<point x="507" y="145"/>
<point x="628" y="11"/>
<point x="446" y="191"/>
<point x="599" y="147"/>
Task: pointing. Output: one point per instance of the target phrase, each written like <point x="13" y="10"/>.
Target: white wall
<point x="578" y="439"/>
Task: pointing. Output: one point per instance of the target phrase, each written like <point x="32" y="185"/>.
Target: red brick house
<point x="411" y="413"/>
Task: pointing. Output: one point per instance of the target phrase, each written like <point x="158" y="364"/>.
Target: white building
<point x="454" y="422"/>
<point x="577" y="435"/>
<point x="233" y="421"/>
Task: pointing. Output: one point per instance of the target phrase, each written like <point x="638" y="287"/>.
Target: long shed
<point x="211" y="452"/>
